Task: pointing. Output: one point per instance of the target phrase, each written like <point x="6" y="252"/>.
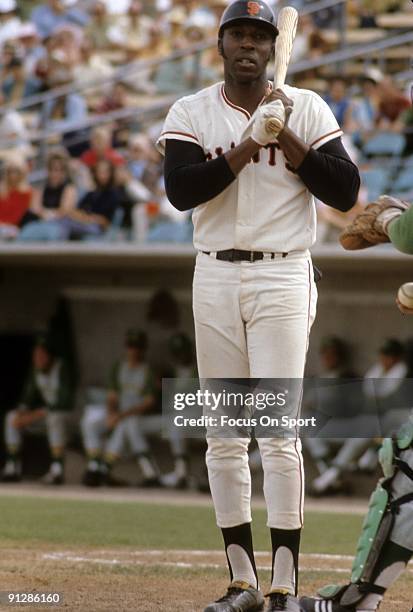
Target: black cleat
<point x="92" y="478"/>
<point x="240" y="597"/>
<point x="278" y="601"/>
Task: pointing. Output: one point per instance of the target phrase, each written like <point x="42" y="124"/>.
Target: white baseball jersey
<point x="267" y="208"/>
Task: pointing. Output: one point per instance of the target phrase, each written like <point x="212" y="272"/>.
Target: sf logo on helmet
<point x="253" y="8"/>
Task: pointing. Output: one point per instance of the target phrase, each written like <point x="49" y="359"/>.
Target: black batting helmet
<point x="245" y="10"/>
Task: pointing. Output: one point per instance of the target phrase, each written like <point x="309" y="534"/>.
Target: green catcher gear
<point x="378" y="523"/>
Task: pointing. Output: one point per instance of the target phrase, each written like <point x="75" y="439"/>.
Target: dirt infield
<point x="155" y="581"/>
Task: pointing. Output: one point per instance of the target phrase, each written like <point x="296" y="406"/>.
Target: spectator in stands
<point x="96" y="209"/>
<point x="131" y="33"/>
<point x="14" y="136"/>
<point x="9" y="21"/>
<point x="364" y="109"/>
<point x="338" y="100"/>
<point x="116" y="99"/>
<point x="101" y="148"/>
<point x="380" y="386"/>
<point x="310" y="41"/>
<point x="54" y="13"/>
<point x="33" y="50"/>
<point x="66" y="112"/>
<point x="55" y="200"/>
<point x="97" y="30"/>
<point x="17" y="85"/>
<point x="16" y="197"/>
<point x="392" y="104"/>
<point x="68" y="39"/>
<point x="91" y="67"/>
<point x="46" y="402"/>
<point x="131" y="397"/>
<point x="142" y="157"/>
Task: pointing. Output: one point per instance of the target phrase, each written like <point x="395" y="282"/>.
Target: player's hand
<point x="112" y="420"/>
<point x="403" y="309"/>
<point x="272" y="110"/>
<point x="288" y="103"/>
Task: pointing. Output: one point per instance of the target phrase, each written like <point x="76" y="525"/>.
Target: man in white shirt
<point x="254" y="294"/>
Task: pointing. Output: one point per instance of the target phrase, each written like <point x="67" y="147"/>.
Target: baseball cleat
<point x="315" y="604"/>
<point x="282" y="601"/>
<point x="240" y="597"/>
<point x="92" y="478"/>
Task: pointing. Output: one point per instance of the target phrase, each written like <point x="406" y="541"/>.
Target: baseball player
<point x="254" y="296"/>
<point x="47" y="402"/>
<point x="386" y="542"/>
<point x="131" y="396"/>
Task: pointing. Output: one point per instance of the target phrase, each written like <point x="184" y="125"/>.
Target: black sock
<point x="286" y="577"/>
<point x="240" y="568"/>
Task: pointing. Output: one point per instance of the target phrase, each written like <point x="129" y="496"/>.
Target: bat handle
<point x="274" y="125"/>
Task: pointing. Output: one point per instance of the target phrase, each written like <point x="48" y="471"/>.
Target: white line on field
<point x="181" y="564"/>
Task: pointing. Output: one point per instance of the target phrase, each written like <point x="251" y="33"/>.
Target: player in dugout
<point x="254" y="296"/>
<point x="386" y="542"/>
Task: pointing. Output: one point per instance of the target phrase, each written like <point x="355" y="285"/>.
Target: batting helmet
<point x="245" y="10"/>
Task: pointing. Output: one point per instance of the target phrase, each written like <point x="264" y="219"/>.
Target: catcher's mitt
<point x="367" y="229"/>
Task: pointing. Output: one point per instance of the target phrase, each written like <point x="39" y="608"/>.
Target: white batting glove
<point x="274" y="110"/>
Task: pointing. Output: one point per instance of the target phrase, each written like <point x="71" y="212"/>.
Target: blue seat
<point x="375" y="180"/>
<point x="404" y="180"/>
<point x="385" y="144"/>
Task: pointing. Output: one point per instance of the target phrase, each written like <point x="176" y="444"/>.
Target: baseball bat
<point x="287" y="27"/>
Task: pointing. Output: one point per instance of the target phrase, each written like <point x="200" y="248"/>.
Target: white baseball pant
<point x="55" y="424"/>
<point x="252" y="320"/>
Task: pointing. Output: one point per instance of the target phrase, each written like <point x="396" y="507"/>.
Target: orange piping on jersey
<point x="325" y="136"/>
<point x="180" y="133"/>
<point x="238" y="108"/>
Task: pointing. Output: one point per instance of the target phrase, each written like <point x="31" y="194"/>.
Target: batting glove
<point x="273" y="110"/>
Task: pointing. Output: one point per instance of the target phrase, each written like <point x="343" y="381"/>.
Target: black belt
<point x="238" y="255"/>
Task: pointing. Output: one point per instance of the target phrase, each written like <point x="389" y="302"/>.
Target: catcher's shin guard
<point x="376" y="532"/>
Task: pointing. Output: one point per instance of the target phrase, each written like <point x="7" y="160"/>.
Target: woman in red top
<point x="15" y="197"/>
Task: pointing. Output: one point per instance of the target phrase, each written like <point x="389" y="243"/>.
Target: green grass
<point x="111" y="524"/>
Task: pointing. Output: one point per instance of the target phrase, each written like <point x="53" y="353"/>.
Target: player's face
<point x="246" y="49"/>
<point x="41" y="358"/>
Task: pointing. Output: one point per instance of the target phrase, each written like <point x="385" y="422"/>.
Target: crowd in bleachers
<point x="81" y="164"/>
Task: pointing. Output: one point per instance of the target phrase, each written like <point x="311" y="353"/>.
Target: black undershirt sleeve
<point x="330" y="175"/>
<point x="191" y="180"/>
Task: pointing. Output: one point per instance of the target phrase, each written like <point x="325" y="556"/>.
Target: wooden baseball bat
<point x="287" y="27"/>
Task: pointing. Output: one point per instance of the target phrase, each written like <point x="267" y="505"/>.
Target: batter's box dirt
<point x="121" y="579"/>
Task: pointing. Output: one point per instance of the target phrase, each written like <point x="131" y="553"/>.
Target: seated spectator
<point x="46" y="403"/>
<point x="68" y="39"/>
<point x="65" y="113"/>
<point x="17" y="85"/>
<point x="14" y="137"/>
<point x="54" y="13"/>
<point x="338" y="100"/>
<point x="33" y="50"/>
<point x="141" y="156"/>
<point x="9" y="21"/>
<point x="364" y="109"/>
<point x="99" y="25"/>
<point x="131" y="32"/>
<point x="101" y="148"/>
<point x="91" y="67"/>
<point x="16" y="197"/>
<point x="55" y="200"/>
<point x="131" y="397"/>
<point x="96" y="209"/>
